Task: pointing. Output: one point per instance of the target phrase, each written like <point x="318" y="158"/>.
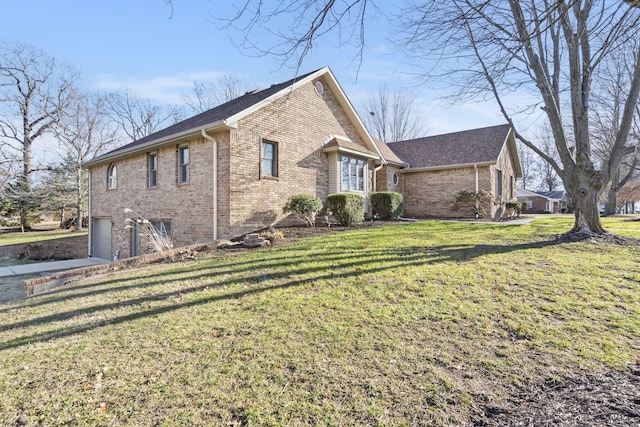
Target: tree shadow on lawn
<point x="347" y="265"/>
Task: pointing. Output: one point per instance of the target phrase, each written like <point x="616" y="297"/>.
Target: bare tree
<point x="34" y="91"/>
<point x="138" y="117"/>
<point x="547" y="176"/>
<point x="608" y="104"/>
<point x="390" y="116"/>
<point x="206" y="95"/>
<point x="85" y="132"/>
<point x="547" y="50"/>
<point x="529" y="163"/>
<point x="628" y="195"/>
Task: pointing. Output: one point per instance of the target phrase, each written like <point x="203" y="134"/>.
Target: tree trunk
<point x="587" y="214"/>
<point x="612" y="196"/>
<point x="610" y="207"/>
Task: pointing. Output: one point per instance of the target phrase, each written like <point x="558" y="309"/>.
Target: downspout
<point x="375" y="177"/>
<point x="89" y="220"/>
<point x="205" y="135"/>
<point x="475" y="168"/>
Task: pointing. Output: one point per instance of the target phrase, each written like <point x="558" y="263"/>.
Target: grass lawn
<point x="13" y="237"/>
<point x="409" y="324"/>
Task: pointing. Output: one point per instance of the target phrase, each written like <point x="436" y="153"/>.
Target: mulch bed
<point x="605" y="399"/>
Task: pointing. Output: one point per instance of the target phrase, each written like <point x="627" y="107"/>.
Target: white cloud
<point x="164" y="89"/>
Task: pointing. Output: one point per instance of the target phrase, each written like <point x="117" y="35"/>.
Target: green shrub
<point x="304" y="207"/>
<point x="347" y="208"/>
<point x="386" y="204"/>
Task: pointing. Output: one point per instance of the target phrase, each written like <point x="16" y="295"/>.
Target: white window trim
<point x="149" y="170"/>
<point x="274" y="161"/>
<point x="364" y="174"/>
<point x="112" y="177"/>
<point x="180" y="178"/>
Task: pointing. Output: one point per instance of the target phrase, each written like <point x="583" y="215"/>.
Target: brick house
<point x="431" y="171"/>
<point x="543" y="201"/>
<point x="230" y="170"/>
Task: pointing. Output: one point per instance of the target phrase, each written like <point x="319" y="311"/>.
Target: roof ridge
<point x="449" y="133"/>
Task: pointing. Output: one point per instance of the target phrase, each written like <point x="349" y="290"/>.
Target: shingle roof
<point x="551" y="194"/>
<point x="214" y="115"/>
<point x="458" y="148"/>
<point x="341" y="143"/>
<point x="387" y="153"/>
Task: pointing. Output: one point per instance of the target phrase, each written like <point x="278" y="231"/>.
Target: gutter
<point x="205" y="135"/>
<point x="157" y="143"/>
<point x="375" y="177"/>
<point x="435" y="168"/>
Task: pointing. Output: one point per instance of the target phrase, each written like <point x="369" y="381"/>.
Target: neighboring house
<point x="230" y="170"/>
<point x="432" y="171"/>
<point x="543" y="201"/>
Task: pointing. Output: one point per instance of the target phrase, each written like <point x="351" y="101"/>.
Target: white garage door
<point x="102" y="238"/>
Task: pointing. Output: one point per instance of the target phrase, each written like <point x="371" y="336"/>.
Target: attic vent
<point x="319" y="88"/>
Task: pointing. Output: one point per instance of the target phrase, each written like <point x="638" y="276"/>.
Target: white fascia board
<point x="526" y="193"/>
<point x="257" y="106"/>
<point x="340" y="95"/>
<point x="350" y="151"/>
<point x="444" y="167"/>
<point x="353" y="116"/>
<point x="161" y="142"/>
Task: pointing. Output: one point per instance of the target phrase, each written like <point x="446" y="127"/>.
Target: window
<point x="352" y="170"/>
<point x="396" y="178"/>
<point x="269" y="161"/>
<point x="162" y="227"/>
<point x="183" y="165"/>
<point x="498" y="183"/>
<point x="153" y="170"/>
<point x="112" y="177"/>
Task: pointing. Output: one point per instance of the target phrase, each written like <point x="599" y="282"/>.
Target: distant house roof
<point x="556" y="195"/>
<point x="549" y="195"/>
<point x="226" y="116"/>
<point x="475" y="146"/>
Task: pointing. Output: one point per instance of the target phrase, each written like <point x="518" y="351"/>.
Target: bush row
<point x="346" y="208"/>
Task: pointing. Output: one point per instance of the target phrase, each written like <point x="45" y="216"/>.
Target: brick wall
<point x="384" y="179"/>
<point x="509" y="192"/>
<point x="300" y="122"/>
<point x="433" y="193"/>
<point x="188" y="206"/>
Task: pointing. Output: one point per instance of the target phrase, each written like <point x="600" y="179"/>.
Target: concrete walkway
<point x="44" y="267"/>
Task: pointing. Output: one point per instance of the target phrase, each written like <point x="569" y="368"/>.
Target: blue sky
<point x="157" y="52"/>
